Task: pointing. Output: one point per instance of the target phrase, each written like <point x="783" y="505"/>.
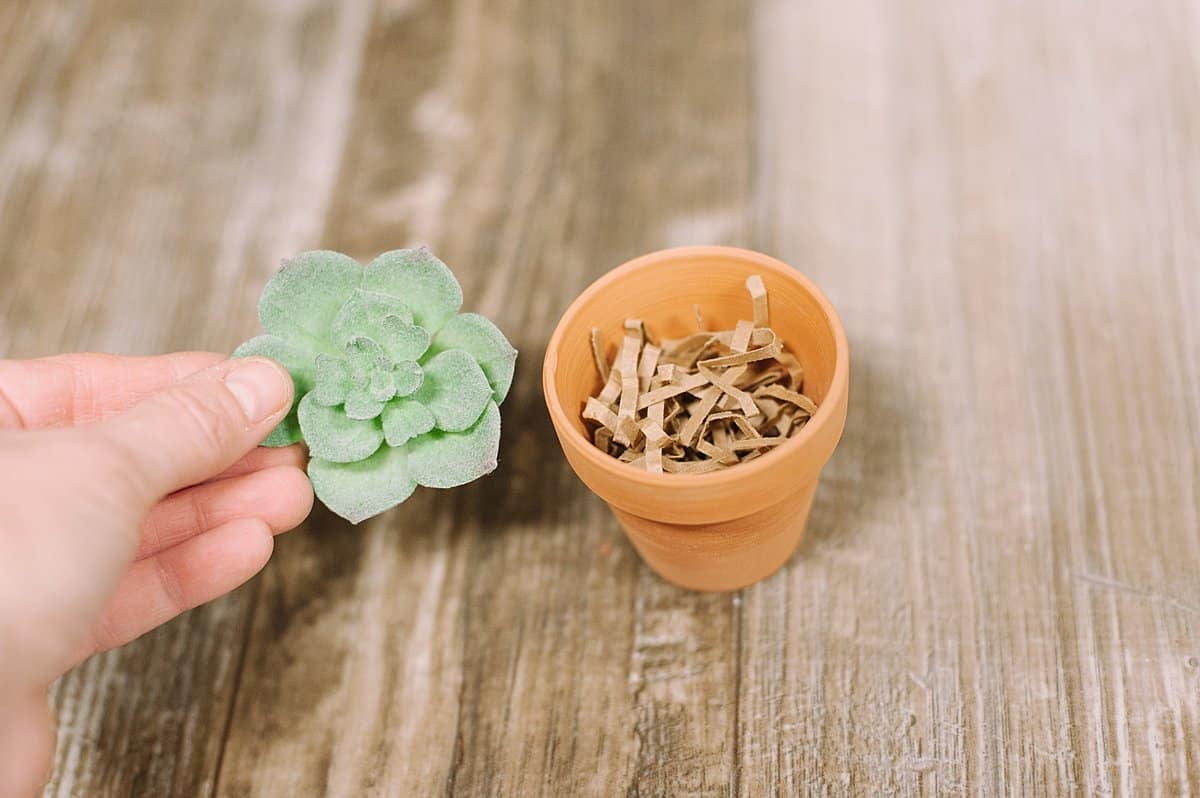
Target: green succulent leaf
<point x="407" y="377"/>
<point x="333" y="382"/>
<point x="384" y="320"/>
<point x="357" y="491"/>
<point x="371" y="377"/>
<point x="419" y="280"/>
<point x="393" y="387"/>
<point x="382" y="386"/>
<point x="300" y="303"/>
<point x="365" y="356"/>
<point x="362" y="406"/>
<point x="402" y="341"/>
<point x="480" y="338"/>
<point x="299" y="364"/>
<point x="363" y="314"/>
<point x="331" y="435"/>
<point x="405" y="419"/>
<point x="285" y="433"/>
<point x="449" y="459"/>
<point x="455" y="390"/>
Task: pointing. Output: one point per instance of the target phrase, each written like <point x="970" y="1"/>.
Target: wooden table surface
<point x="999" y="592"/>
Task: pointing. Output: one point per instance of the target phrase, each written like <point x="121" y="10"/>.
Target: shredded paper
<point x="701" y="403"/>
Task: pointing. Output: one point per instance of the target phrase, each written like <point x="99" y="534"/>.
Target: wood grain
<point x="998" y="593"/>
<point x="156" y="163"/>
<point x="515" y="641"/>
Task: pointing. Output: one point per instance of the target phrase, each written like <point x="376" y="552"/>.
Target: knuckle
<point x="198" y="512"/>
<point x="153" y="535"/>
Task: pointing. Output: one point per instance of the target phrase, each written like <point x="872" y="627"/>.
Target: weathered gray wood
<point x="999" y="591"/>
<point x="156" y="162"/>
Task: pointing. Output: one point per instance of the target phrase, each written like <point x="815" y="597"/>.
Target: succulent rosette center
<point x="394" y="387"/>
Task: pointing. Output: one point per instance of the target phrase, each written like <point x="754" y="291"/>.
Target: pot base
<point x="724" y="556"/>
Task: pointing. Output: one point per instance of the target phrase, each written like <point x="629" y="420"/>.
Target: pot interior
<point x="663" y="290"/>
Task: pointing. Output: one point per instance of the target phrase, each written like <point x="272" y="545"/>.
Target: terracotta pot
<point x="726" y="529"/>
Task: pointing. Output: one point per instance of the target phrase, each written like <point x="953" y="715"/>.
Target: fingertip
<point x="248" y="544"/>
<point x="260" y="534"/>
<point x="294" y="485"/>
<point x="304" y="496"/>
<point x="262" y="387"/>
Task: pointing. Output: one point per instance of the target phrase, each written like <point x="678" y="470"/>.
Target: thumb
<point x="202" y="425"/>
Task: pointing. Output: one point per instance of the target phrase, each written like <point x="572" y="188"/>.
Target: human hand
<point x="130" y="491"/>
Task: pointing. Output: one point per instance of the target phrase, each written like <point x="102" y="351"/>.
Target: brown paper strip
<point x="696" y="416"/>
<point x="755" y="443"/>
<point x="745" y="427"/>
<point x="654" y="460"/>
<point x="598" y="412"/>
<point x="629" y="396"/>
<point x="720" y="434"/>
<point x="725" y="382"/>
<point x="598" y="354"/>
<point x="691" y="466"/>
<point x="767" y="405"/>
<point x="761" y="353"/>
<point x="721" y="455"/>
<point x="740" y="341"/>
<point x="674" y="408"/>
<point x="758" y="295"/>
<point x="631" y="344"/>
<point x="686" y="384"/>
<point x="647" y="365"/>
<point x="713" y="423"/>
<point x="684" y="352"/>
<point x="762" y="377"/>
<point x="623" y="430"/>
<point x="612" y="388"/>
<point x="657" y="414"/>
<point x="798" y="399"/>
<point x="794" y="370"/>
<point x="655" y="435"/>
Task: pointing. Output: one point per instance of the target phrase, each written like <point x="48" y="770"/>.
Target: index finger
<point x="65" y="390"/>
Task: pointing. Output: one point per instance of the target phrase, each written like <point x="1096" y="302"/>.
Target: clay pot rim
<point x="743" y="471"/>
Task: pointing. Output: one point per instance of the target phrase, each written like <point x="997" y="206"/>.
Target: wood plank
<point x="1001" y="201"/>
<point x="998" y="592"/>
<point x="156" y="162"/>
<point x="504" y="639"/>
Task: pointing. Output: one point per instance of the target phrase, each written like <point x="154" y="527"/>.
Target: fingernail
<point x="258" y="386"/>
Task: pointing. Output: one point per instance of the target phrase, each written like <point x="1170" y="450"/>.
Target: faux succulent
<point x="394" y="387"/>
